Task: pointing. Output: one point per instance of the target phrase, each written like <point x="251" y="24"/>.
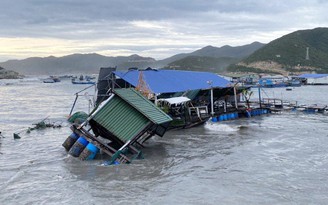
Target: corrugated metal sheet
<point x="128" y="113"/>
<point x="121" y="119"/>
<point x="171" y="81"/>
<point x="143" y="105"/>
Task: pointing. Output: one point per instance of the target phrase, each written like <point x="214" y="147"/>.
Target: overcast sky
<point x="155" y="28"/>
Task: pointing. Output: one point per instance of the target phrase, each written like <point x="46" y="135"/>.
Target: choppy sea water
<point x="275" y="159"/>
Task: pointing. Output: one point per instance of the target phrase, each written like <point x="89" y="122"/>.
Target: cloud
<point x="143" y="26"/>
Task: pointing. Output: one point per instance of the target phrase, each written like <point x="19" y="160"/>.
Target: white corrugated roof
<point x="175" y="100"/>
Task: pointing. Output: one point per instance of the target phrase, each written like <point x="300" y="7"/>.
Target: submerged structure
<point x="133" y="106"/>
<point x="120" y="123"/>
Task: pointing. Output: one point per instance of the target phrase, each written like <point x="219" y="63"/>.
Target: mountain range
<point x="210" y="59"/>
<point x="301" y="51"/>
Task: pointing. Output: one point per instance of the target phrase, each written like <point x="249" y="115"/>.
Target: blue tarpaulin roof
<point x="312" y="75"/>
<point x="170" y="81"/>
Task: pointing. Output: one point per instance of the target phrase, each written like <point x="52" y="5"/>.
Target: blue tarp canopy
<point x="171" y="81"/>
<point x="312" y="75"/>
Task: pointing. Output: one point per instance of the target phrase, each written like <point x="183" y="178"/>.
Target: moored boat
<point x="51" y="79"/>
<point x="82" y="80"/>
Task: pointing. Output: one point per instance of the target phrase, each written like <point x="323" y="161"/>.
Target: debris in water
<point x="16" y="136"/>
<point x="42" y="125"/>
<point x="38" y="126"/>
<point x="241" y="127"/>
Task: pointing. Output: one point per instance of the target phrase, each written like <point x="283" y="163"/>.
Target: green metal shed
<point x="126" y="116"/>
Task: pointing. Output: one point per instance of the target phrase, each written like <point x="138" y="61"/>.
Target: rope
<point x="85" y="89"/>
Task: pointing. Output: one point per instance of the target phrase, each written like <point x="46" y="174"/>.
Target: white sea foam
<point x="221" y="127"/>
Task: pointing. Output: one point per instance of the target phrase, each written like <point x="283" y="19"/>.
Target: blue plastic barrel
<point x="78" y="147"/>
<point x="214" y="119"/>
<point x="116" y="163"/>
<point x="236" y="115"/>
<point x="225" y="117"/>
<point x="220" y="118"/>
<point x="89" y="152"/>
<point x="70" y="141"/>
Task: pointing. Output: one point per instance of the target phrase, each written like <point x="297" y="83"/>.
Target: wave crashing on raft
<point x="222" y="127"/>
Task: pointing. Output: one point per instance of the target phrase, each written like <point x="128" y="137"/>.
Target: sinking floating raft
<point x="126" y="119"/>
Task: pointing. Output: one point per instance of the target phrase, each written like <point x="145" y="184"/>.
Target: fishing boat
<point x="51" y="79"/>
<point x="83" y="80"/>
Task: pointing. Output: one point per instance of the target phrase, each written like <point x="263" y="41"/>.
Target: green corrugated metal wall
<point x="121" y="119"/>
<point x="149" y="109"/>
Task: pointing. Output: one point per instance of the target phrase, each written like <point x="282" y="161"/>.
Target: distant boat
<point x="294" y="83"/>
<point x="83" y="80"/>
<point x="51" y="79"/>
<point x="277" y="81"/>
<point x="48" y="80"/>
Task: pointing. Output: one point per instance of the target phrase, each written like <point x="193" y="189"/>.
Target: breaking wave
<point x="221" y="127"/>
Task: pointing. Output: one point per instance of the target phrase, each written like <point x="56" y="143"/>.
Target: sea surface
<point x="279" y="158"/>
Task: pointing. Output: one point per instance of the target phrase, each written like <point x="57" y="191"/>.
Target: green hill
<point x="210" y="58"/>
<point x="288" y="54"/>
<point x="9" y="74"/>
<point x="203" y="63"/>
